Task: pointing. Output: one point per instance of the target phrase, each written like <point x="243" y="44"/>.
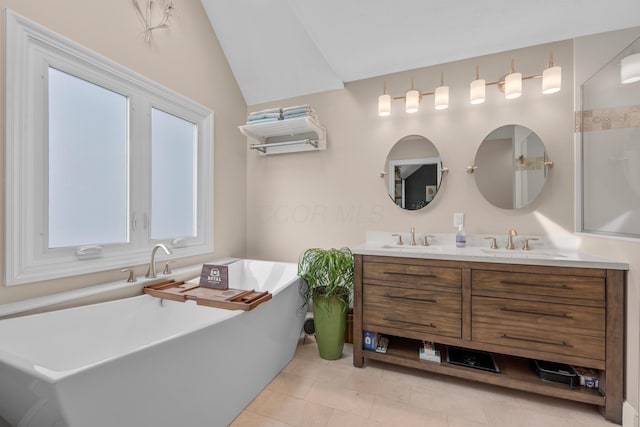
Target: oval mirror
<point x="413" y="172"/>
<point x="511" y="167"/>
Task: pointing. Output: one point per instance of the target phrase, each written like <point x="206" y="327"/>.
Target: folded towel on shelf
<point x="297" y="110"/>
<point x="274" y="114"/>
<point x="295" y="116"/>
<point x="264" y="116"/>
<point x="267" y="119"/>
<point x="267" y="111"/>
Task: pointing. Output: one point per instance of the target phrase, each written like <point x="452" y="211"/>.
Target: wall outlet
<point x="458" y="219"/>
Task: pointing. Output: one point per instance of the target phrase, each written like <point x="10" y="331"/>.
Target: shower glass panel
<point x="610" y="127"/>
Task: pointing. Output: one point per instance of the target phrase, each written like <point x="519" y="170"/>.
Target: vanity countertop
<point x="543" y="257"/>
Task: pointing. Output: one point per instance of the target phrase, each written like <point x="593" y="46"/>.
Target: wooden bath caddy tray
<point x="231" y="299"/>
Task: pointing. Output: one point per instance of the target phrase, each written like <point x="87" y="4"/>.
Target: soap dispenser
<point x="461" y="237"/>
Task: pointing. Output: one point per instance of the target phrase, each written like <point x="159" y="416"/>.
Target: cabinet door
<point x="415" y="310"/>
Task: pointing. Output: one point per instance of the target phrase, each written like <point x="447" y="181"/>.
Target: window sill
<point x="182" y="273"/>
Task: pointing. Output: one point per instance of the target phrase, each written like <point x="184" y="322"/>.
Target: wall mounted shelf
<point x="286" y="136"/>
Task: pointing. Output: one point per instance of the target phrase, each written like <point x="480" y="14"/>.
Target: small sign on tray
<point x="214" y="276"/>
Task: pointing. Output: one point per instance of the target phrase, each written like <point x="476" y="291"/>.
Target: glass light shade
<point x="441" y="101"/>
<point x="412" y="103"/>
<point x="513" y="85"/>
<point x="477" y="91"/>
<point x="384" y="105"/>
<point x="630" y="69"/>
<point x="551" y="80"/>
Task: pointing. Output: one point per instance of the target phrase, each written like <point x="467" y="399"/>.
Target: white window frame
<point x="30" y="50"/>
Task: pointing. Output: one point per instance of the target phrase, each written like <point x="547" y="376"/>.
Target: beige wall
<point x="186" y="58"/>
<point x="332" y="198"/>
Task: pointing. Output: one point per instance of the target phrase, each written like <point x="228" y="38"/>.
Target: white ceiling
<point x="279" y="49"/>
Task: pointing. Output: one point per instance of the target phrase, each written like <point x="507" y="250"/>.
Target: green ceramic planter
<point x="330" y="320"/>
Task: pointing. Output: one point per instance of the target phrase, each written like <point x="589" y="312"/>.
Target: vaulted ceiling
<point x="279" y="49"/>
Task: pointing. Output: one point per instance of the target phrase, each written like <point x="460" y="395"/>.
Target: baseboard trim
<point x="629" y="415"/>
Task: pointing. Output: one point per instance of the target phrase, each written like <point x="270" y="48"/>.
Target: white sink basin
<point x="505" y="253"/>
<point x="417" y="248"/>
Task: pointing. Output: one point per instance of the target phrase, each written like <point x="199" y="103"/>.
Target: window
<point x="87" y="148"/>
<point x="102" y="163"/>
<point x="173" y="183"/>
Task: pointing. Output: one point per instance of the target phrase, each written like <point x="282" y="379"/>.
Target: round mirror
<point x="511" y="167"/>
<point x="413" y="172"/>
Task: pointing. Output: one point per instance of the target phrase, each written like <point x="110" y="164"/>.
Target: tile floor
<point x="314" y="392"/>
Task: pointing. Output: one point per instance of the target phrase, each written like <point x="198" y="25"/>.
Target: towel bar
<point x="263" y="147"/>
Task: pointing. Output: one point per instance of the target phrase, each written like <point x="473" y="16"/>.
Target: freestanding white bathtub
<point x="136" y="362"/>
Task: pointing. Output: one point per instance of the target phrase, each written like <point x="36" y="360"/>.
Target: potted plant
<point x="328" y="274"/>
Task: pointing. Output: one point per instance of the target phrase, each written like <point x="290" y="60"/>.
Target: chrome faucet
<point x="413" y="236"/>
<point x="512" y="233"/>
<point x="151" y="272"/>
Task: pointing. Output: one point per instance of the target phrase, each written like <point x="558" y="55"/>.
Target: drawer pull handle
<point x="506" y="282"/>
<point x="429" y="325"/>
<point x="537" y="313"/>
<point x="559" y="344"/>
<point x="403" y="273"/>
<point x="432" y="301"/>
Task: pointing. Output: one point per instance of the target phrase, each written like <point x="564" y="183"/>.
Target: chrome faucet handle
<point x="526" y="243"/>
<point x="167" y="269"/>
<point x="494" y="244"/>
<point x="413" y="236"/>
<point x="425" y="239"/>
<point x="131" y="278"/>
<point x="399" y="236"/>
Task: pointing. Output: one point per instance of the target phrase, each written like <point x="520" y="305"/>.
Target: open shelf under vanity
<point x="515" y="372"/>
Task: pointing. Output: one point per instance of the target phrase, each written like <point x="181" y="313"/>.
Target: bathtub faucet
<point x="151" y="272"/>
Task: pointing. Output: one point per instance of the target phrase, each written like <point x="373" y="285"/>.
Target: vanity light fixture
<point x="384" y="102"/>
<point x="551" y="77"/>
<point x="477" y="89"/>
<point x="441" y="99"/>
<point x="630" y="69"/>
<point x="511" y="85"/>
<point x="412" y="100"/>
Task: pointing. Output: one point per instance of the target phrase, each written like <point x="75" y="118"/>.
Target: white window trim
<point x="32" y="47"/>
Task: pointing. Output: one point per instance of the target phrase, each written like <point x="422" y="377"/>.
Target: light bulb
<point x="630" y="69"/>
<point x="441" y="101"/>
<point x="384" y="105"/>
<point x="513" y="86"/>
<point x="477" y="91"/>
<point x="412" y="103"/>
<point x="551" y="80"/>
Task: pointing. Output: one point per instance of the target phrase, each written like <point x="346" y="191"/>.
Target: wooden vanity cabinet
<point x="518" y="312"/>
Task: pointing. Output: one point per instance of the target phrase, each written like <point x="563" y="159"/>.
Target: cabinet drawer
<point x="416" y="275"/>
<point x="540" y="339"/>
<point x="560" y="319"/>
<point x="416" y="310"/>
<point x="528" y="285"/>
<point x="556" y="328"/>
